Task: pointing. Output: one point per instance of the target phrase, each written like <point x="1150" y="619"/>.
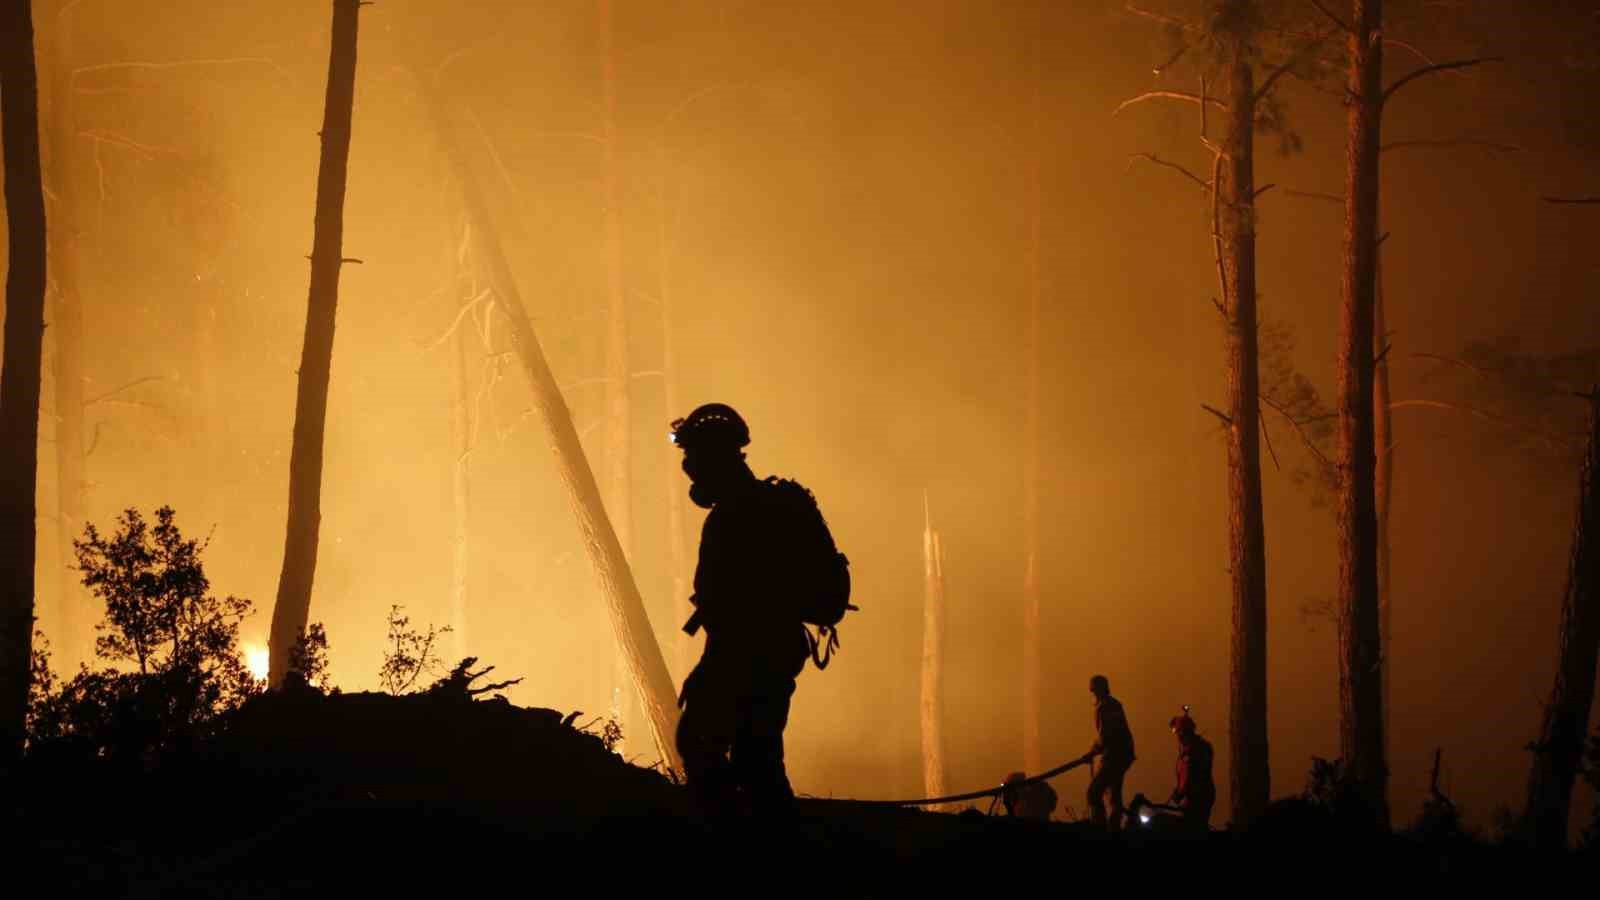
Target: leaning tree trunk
<point x="1032" y="675"/>
<point x="677" y="549"/>
<point x="1557" y="754"/>
<point x="66" y="332"/>
<point x="20" y="369"/>
<point x="630" y="625"/>
<point x="1360" y="661"/>
<point x="1382" y="481"/>
<point x="933" y="631"/>
<point x="460" y="487"/>
<point x="293" y="607"/>
<point x="1235" y="204"/>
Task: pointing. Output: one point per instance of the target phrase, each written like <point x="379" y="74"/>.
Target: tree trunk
<point x="618" y="456"/>
<point x="293" y="607"/>
<point x="1032" y="675"/>
<point x="1360" y="663"/>
<point x="1559" y="750"/>
<point x="20" y="373"/>
<point x="677" y="549"/>
<point x="630" y="624"/>
<point x="933" y="772"/>
<point x="460" y="494"/>
<point x="66" y="332"/>
<point x="1247" y="728"/>
<point x="1382" y="479"/>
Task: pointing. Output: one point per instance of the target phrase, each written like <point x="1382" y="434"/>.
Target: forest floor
<point x="358" y="795"/>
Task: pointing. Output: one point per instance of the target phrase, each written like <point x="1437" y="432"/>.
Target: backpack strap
<point x="822" y="644"/>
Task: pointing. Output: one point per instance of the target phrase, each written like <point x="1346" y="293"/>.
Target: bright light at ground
<point x="255" y="659"/>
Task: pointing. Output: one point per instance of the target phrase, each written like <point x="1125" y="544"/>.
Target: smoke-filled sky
<point x="824" y="211"/>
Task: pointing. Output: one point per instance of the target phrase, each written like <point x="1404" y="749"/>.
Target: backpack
<point x="819" y="575"/>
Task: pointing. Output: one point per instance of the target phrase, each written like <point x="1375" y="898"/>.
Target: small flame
<point x="256" y="660"/>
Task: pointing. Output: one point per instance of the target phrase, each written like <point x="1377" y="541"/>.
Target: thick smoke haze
<point x="823" y="210"/>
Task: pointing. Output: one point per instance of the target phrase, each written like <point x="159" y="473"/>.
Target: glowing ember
<point x="255" y="659"/>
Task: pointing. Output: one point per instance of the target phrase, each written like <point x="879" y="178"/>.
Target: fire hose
<point x="977" y="795"/>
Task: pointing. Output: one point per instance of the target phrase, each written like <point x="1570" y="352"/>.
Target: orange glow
<point x="255" y="659"/>
<point x="850" y="222"/>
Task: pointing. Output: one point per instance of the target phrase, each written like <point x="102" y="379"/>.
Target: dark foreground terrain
<point x="365" y="794"/>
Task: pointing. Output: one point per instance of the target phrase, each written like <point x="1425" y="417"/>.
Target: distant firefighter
<point x="1113" y="747"/>
<point x="1196" y="792"/>
<point x="1036" y="801"/>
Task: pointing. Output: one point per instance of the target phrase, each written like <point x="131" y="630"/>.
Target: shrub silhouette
<point x="170" y="645"/>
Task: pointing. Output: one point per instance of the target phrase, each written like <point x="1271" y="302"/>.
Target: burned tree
<point x="630" y="625"/>
<point x="618" y="456"/>
<point x="933" y="631"/>
<point x="293" y="607"/>
<point x="20" y="370"/>
<point x="67" y="327"/>
<point x="1558" y="752"/>
<point x="1234" y="42"/>
<point x="1361" y="662"/>
<point x="1032" y="676"/>
<point x="1527" y="400"/>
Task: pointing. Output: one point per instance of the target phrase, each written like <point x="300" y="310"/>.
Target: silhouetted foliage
<point x="41" y="680"/>
<point x="1527" y="401"/>
<point x="1439" y="820"/>
<point x="159" y="612"/>
<point x="308" y="659"/>
<point x="410" y="654"/>
<point x="459" y="682"/>
<point x="161" y="618"/>
<point x="1293" y="408"/>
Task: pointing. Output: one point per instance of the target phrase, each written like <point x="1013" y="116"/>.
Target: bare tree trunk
<point x="20" y="370"/>
<point x="1032" y="674"/>
<point x="66" y="332"/>
<point x="677" y="549"/>
<point x="619" y="433"/>
<point x="293" y="606"/>
<point x="461" y="496"/>
<point x="208" y="357"/>
<point x="1361" y="663"/>
<point x="1247" y="727"/>
<point x="629" y="622"/>
<point x="1383" y="478"/>
<point x="933" y="771"/>
<point x="1559" y="750"/>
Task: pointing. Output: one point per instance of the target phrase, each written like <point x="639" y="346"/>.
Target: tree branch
<point x="460" y="315"/>
<point x="1267" y="437"/>
<point x="1454" y="362"/>
<point x="1395" y="42"/>
<point x="1450" y="142"/>
<point x="115" y="391"/>
<point x="1284" y="67"/>
<point x="1262" y="190"/>
<point x="1204" y="185"/>
<point x="1162" y="18"/>
<point x="177" y="64"/>
<point x="1575" y="200"/>
<point x="1168" y="95"/>
<point x="1295" y="423"/>
<point x="1226" y="419"/>
<point x="1459" y="407"/>
<point x="1314" y="195"/>
<point x="1332" y="17"/>
<point x="1436" y="67"/>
